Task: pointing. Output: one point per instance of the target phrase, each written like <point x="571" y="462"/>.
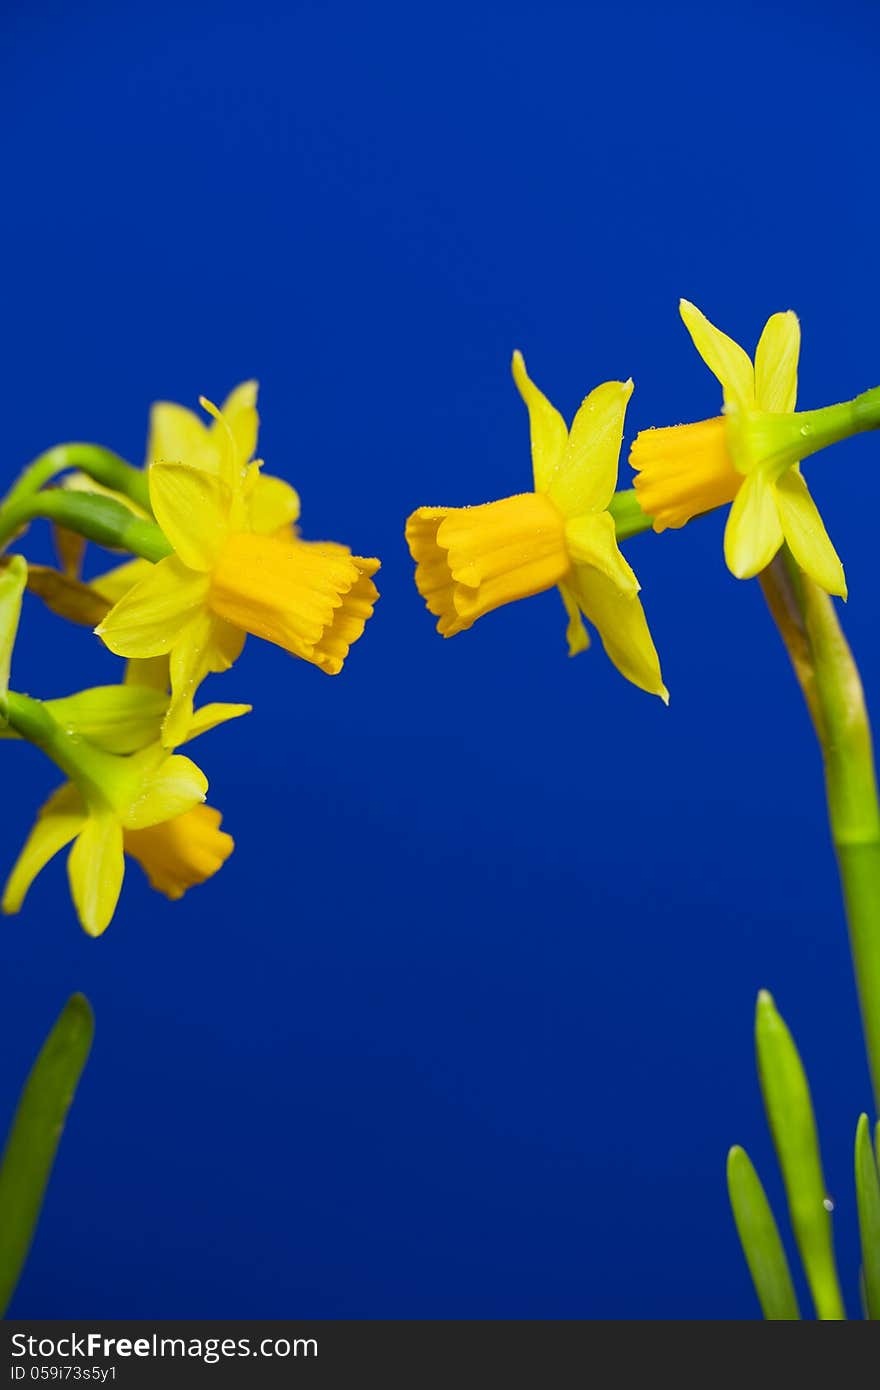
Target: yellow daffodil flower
<point x="470" y="560"/>
<point x="237" y="567"/>
<point x="749" y="456"/>
<point x="147" y="803"/>
<point x="179" y="435"/>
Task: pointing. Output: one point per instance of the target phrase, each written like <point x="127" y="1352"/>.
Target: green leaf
<point x="33" y="1138"/>
<point x="793" y="1126"/>
<point x="760" y="1240"/>
<point x="868" y="1200"/>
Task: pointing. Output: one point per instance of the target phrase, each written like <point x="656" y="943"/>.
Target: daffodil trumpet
<point x="471" y="560"/>
<point x="749" y="456"/>
<point x="103" y="466"/>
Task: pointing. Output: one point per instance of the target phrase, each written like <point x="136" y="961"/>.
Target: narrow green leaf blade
<point x="33" y="1138"/>
<point x="868" y="1200"/>
<point x="793" y="1126"/>
<point x="760" y="1239"/>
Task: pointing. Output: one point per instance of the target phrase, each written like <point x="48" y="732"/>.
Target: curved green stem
<point x="98" y="518"/>
<point x="100" y="775"/>
<point x="103" y="465"/>
<point x="830" y="681"/>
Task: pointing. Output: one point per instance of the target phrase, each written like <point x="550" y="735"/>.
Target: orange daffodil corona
<point x="749" y="456"/>
<point x="470" y="560"/>
<point x="237" y="565"/>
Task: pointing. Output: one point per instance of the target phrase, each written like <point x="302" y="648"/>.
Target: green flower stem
<point x="101" y="519"/>
<point x="103" y="465"/>
<point x="830" y="681"/>
<point x="94" y="771"/>
<point x="33" y="1138"/>
<point x="780" y="441"/>
<point x="629" y="519"/>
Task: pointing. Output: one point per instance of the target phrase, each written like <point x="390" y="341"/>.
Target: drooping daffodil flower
<point x="236" y="567"/>
<point x="126" y="794"/>
<point x="470" y="560"/>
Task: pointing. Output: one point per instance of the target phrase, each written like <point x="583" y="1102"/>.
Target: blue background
<point x="464" y="1027"/>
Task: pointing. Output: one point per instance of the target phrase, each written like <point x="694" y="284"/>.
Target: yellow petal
<point x="272" y="505"/>
<point x="587" y="476"/>
<point x="239" y="410"/>
<point x="226" y="461"/>
<point x="212" y="716"/>
<point x="169" y="789"/>
<point x="592" y="540"/>
<point x="176" y="435"/>
<point x="576" y="634"/>
<point x="548" y="429"/>
<point x="207" y="644"/>
<point x="182" y="852"/>
<point x="112" y="584"/>
<point x="149" y="619"/>
<point x="721" y="355"/>
<point x="620" y="621"/>
<point x="59" y="820"/>
<point x="192" y="507"/>
<point x="754" y="532"/>
<point x="776" y="364"/>
<point x="805" y="533"/>
<point x="152" y="672"/>
<point x="95" y="869"/>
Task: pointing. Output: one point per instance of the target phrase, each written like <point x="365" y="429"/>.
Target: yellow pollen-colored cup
<point x="470" y="560"/>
